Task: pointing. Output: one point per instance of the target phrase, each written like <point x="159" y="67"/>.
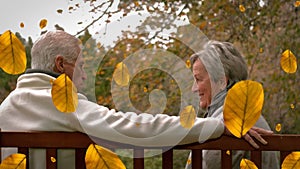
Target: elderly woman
<point x="216" y="68"/>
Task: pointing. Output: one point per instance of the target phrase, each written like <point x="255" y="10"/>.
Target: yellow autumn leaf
<point x="288" y="62"/>
<point x="278" y="127"/>
<point x="242" y="107"/>
<point x="188" y="63"/>
<point x="121" y="74"/>
<point x="100" y="157"/>
<point x="64" y="94"/>
<point x="292" y="161"/>
<point x="14" y="161"/>
<point x="187" y="117"/>
<point x="242" y="8"/>
<point x="145" y="89"/>
<point x="292" y="106"/>
<point x="12" y="54"/>
<point x="43" y="23"/>
<point x="247" y="164"/>
<point x="53" y="159"/>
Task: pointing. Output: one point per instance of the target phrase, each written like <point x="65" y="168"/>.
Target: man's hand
<point x="255" y="132"/>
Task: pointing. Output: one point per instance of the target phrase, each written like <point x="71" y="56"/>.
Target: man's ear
<point x="59" y="64"/>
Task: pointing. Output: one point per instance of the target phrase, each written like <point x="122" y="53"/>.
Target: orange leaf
<point x="22" y="25"/>
<point x="242" y="8"/>
<point x="43" y="23"/>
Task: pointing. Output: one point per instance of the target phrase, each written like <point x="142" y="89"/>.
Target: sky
<point x="30" y="12"/>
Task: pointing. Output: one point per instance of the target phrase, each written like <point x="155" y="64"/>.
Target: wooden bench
<point x="51" y="141"/>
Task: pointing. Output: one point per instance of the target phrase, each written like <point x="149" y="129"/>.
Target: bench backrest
<point x="51" y="141"/>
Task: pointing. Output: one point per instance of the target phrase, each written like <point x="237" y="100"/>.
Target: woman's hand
<point x="255" y="132"/>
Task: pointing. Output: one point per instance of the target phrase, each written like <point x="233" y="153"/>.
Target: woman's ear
<point x="59" y="64"/>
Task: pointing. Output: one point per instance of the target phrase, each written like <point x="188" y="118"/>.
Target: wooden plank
<point x="25" y="150"/>
<point x="80" y="158"/>
<point x="256" y="157"/>
<point x="167" y="159"/>
<point x="196" y="159"/>
<point x="276" y="142"/>
<point x="138" y="161"/>
<point x="51" y="158"/>
<point x="226" y="159"/>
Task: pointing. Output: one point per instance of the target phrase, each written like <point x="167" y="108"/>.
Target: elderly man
<point x="30" y="107"/>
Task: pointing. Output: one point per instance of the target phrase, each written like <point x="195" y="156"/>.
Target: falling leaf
<point x="64" y="94"/>
<point x="261" y="50"/>
<point x="288" y="62"/>
<point x="228" y="152"/>
<point x="100" y="157"/>
<point x="71" y="7"/>
<point x="12" y="54"/>
<point x="292" y="106"/>
<point x="136" y="3"/>
<point x="53" y="160"/>
<point x="242" y="8"/>
<point x="59" y="11"/>
<point x="278" y="127"/>
<point x="292" y="161"/>
<point x="14" y="161"/>
<point x="189" y="161"/>
<point x="121" y="74"/>
<point x="247" y="164"/>
<point x="297" y="4"/>
<point x="99" y="45"/>
<point x="187" y="117"/>
<point x="188" y="63"/>
<point x="145" y="89"/>
<point x="202" y="25"/>
<point x="242" y="107"/>
<point x="43" y="23"/>
<point x="22" y="25"/>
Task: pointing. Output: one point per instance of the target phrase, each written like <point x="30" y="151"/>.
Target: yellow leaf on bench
<point x="98" y="157"/>
<point x="14" y="161"/>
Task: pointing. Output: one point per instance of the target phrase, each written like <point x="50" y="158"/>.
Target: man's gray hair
<point x="52" y="44"/>
<point x="221" y="58"/>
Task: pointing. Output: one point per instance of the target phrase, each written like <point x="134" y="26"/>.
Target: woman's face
<point x="202" y="84"/>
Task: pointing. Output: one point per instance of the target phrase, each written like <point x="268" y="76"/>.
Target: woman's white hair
<point x="222" y="58"/>
<point x="53" y="44"/>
